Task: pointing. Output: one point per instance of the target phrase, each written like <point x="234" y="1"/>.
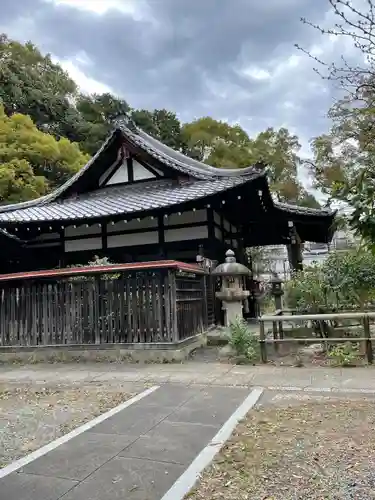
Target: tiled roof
<point x="173" y="159"/>
<point x="124" y="199"/>
<point x="298" y="210"/>
<point x="206" y="180"/>
<point x="180" y="162"/>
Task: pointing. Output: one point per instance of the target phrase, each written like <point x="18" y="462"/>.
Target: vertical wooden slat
<point x="129" y="324"/>
<point x="141" y="307"/>
<point x="8" y="326"/>
<point x="12" y="315"/>
<point x="122" y="318"/>
<point x="162" y="326"/>
<point x="167" y="308"/>
<point x="96" y="325"/>
<point x="173" y="305"/>
<point x="40" y="306"/>
<point x="155" y="317"/>
<point x="134" y="301"/>
<point x="110" y="309"/>
<point x="44" y="313"/>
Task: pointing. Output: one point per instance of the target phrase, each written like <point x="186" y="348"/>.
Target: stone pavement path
<point x="193" y="373"/>
<point x="136" y="454"/>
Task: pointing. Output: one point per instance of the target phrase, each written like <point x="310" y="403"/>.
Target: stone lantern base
<point x="232" y="303"/>
<point x="232" y="310"/>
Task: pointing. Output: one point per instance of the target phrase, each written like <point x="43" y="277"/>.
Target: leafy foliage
<point x="32" y="161"/>
<point x="307" y="291"/>
<point x="344" y="354"/>
<point x="98" y="113"/>
<point x="243" y="341"/>
<point x="344" y="280"/>
<point x="96" y="262"/>
<point x="228" y="146"/>
<point x="344" y="159"/>
<point x="33" y="85"/>
<point x="351" y="276"/>
<point x="161" y="124"/>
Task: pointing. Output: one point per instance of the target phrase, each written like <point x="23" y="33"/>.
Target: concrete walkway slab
<point x="165" y="442"/>
<point x="79" y="457"/>
<point x="136" y="454"/>
<point x="33" y="487"/>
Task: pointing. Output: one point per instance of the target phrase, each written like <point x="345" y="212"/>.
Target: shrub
<point x="97" y="261"/>
<point x="344" y="280"/>
<point x="351" y="276"/>
<point x="243" y="341"/>
<point x="344" y="354"/>
<point x="307" y="291"/>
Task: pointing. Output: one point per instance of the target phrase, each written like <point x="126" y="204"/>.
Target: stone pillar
<point x="277" y="290"/>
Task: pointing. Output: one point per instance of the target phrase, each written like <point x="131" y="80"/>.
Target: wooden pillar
<point x="294" y="249"/>
<point x="161" y="237"/>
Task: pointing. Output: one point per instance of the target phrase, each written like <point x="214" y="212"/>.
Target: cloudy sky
<point x="230" y="59"/>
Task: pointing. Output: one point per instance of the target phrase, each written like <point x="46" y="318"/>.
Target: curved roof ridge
<point x="56" y="192"/>
<point x="141" y="138"/>
<point x="303" y="210"/>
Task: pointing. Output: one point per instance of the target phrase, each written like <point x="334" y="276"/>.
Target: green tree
<point x="228" y="146"/>
<point x="31" y="84"/>
<point x="98" y="112"/>
<point x="31" y="161"/>
<point x="217" y="143"/>
<point x="161" y="124"/>
<point x="344" y="159"/>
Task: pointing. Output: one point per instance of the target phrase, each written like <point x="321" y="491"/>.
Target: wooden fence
<point x="163" y="302"/>
<point x="279" y="318"/>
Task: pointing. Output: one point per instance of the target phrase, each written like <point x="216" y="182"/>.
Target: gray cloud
<point x="231" y="59"/>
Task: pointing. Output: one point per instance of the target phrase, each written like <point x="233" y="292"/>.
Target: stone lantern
<point x="277" y="290"/>
<point x="232" y="293"/>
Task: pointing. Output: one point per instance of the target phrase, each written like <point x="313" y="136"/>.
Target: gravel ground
<point x="31" y="417"/>
<point x="312" y="451"/>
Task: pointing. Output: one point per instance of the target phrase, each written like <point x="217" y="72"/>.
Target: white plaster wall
<point x="80" y="245"/>
<point x="140" y="172"/>
<point x="128" y="240"/>
<point x="110" y="169"/>
<point x="218" y="233"/>
<point x="120" y="176"/>
<point x="186" y="217"/>
<point x="186" y="233"/>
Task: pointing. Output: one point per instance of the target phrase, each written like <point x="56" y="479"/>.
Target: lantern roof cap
<point x="230" y="267"/>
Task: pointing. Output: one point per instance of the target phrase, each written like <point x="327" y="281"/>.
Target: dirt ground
<point x="310" y="451"/>
<point x="32" y="416"/>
